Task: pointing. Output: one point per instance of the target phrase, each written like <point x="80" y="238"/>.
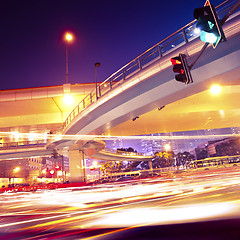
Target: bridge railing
<point x="164" y="47"/>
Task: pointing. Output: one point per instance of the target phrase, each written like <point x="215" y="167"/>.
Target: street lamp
<point x="98" y="64"/>
<point x="215" y="89"/>
<point x="167" y="147"/>
<point x="67" y="98"/>
<point x="68" y="39"/>
<point x="15" y="170"/>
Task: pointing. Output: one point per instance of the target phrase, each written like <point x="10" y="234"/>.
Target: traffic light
<point x="180" y="66"/>
<point x="209" y="25"/>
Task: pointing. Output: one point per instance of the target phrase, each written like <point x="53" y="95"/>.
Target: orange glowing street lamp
<point x="215" y="89"/>
<point x="16" y="169"/>
<point x="167" y="147"/>
<point x="68" y="39"/>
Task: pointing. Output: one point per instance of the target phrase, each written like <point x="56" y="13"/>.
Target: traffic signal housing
<point x="181" y="67"/>
<point x="209" y="25"/>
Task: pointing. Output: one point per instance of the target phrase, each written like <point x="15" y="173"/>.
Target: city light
<point x="68" y="37"/>
<point x="215" y="89"/>
<point x="31" y="136"/>
<point x="68" y="99"/>
<point x="16" y="169"/>
<point x="197" y="31"/>
<point x="15" y="135"/>
<point x="167" y="147"/>
<point x="95" y="163"/>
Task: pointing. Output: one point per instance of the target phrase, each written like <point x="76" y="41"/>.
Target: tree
<point x="184" y="158"/>
<point x="129" y="149"/>
<point x="163" y="159"/>
<point x="201" y="153"/>
<point x="112" y="166"/>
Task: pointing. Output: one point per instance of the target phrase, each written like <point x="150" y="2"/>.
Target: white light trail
<point x="39" y="136"/>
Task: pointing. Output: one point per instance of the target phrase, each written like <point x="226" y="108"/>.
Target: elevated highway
<point x="145" y="90"/>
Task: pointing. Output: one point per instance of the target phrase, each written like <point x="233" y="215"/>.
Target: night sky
<point x="112" y="32"/>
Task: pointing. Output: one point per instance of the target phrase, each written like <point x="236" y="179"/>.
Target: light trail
<point x="160" y="215"/>
<point x="125" y="196"/>
<point x="122" y="206"/>
<point x="39" y="136"/>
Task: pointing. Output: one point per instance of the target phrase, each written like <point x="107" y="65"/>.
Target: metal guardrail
<point x="175" y="40"/>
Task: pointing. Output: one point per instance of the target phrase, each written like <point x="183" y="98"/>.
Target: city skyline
<point x="151" y="146"/>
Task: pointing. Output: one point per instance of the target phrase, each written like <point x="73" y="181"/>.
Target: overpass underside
<point x="204" y="110"/>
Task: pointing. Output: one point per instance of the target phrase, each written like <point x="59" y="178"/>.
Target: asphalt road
<point x="192" y="205"/>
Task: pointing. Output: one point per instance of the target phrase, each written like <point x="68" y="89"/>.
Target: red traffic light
<point x="176" y="60"/>
<point x="177" y="65"/>
<point x="180" y="66"/>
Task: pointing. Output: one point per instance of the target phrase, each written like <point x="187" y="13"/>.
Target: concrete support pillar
<point x="77" y="166"/>
<point x="150" y="166"/>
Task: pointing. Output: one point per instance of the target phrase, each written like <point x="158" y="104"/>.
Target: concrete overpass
<point x="152" y="86"/>
<point x="148" y="93"/>
<point x="27" y="113"/>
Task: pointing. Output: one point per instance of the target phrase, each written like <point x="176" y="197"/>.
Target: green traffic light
<point x="209" y="24"/>
<point x="208" y="37"/>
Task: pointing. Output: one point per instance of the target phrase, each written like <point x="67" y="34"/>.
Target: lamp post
<point x="68" y="39"/>
<point x="98" y="64"/>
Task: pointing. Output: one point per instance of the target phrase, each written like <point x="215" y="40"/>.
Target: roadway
<point x="192" y="205"/>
